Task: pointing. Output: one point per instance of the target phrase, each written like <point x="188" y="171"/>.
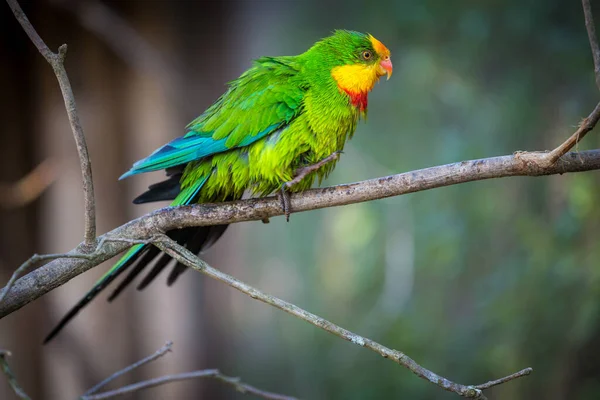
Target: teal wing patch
<point x="262" y="100"/>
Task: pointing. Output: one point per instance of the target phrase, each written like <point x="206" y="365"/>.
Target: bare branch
<point x="56" y="60"/>
<point x="33" y="260"/>
<point x="591" y="30"/>
<point x="58" y="272"/>
<point x="586" y="125"/>
<point x="208" y="373"/>
<point x="73" y="254"/>
<point x="12" y="380"/>
<point x="500" y="381"/>
<point x="159" y="353"/>
<point x="189" y="259"/>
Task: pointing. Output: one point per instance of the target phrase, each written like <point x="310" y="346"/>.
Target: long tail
<point x="195" y="239"/>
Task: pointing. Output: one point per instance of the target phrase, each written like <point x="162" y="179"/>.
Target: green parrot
<point x="280" y="125"/>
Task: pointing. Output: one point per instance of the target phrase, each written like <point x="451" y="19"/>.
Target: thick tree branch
<point x="56" y="60"/>
<point x="207" y="373"/>
<point x="60" y="271"/>
<point x="36" y="258"/>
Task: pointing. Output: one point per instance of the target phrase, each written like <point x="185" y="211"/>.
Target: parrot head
<point x="357" y="61"/>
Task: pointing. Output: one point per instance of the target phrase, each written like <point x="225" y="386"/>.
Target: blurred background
<point x="474" y="281"/>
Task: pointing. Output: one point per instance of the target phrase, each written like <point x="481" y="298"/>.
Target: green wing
<point x="266" y="98"/>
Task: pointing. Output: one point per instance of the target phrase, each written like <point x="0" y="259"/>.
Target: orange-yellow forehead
<point x="379" y="47"/>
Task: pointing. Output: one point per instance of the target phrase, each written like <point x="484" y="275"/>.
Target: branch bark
<point x="57" y="60"/>
<point x="60" y="271"/>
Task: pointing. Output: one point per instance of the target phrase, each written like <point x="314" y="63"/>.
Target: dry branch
<point x="58" y="272"/>
<point x="588" y="123"/>
<point x="500" y="381"/>
<point x="207" y="373"/>
<point x="57" y="60"/>
<point x="189" y="259"/>
<point x="159" y="353"/>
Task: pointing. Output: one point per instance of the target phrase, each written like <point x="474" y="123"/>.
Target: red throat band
<point x="358" y="100"/>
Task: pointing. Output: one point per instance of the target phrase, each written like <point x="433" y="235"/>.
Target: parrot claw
<point x="301" y="173"/>
<point x="284" y="199"/>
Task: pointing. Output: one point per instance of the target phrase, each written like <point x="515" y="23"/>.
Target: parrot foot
<point x="284" y="199"/>
<point x="301" y="173"/>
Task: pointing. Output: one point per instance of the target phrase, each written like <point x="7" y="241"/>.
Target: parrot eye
<point x="366" y="55"/>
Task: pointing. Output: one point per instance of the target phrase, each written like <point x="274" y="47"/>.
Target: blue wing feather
<point x="264" y="99"/>
<point x="189" y="148"/>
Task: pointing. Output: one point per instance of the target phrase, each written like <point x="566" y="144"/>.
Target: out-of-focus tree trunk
<point x="19" y="227"/>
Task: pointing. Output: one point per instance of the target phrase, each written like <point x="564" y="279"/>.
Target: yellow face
<point x="361" y="77"/>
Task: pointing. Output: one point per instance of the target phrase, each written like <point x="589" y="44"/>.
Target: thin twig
<point x="584" y="127"/>
<point x="12" y="380"/>
<point x="588" y="123"/>
<point x="159" y="353"/>
<point x="140" y="230"/>
<point x="189" y="259"/>
<point x="591" y="31"/>
<point x="56" y="60"/>
<point x="500" y="381"/>
<point x="207" y="373"/>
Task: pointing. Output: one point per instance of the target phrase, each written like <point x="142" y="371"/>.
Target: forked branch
<point x="236" y="383"/>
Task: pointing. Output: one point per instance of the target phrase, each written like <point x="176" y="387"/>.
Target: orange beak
<point x="385" y="67"/>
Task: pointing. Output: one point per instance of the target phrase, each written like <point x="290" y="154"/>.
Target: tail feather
<point x="141" y="264"/>
<point x="127" y="260"/>
<point x="143" y="253"/>
<point x="161" y="191"/>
